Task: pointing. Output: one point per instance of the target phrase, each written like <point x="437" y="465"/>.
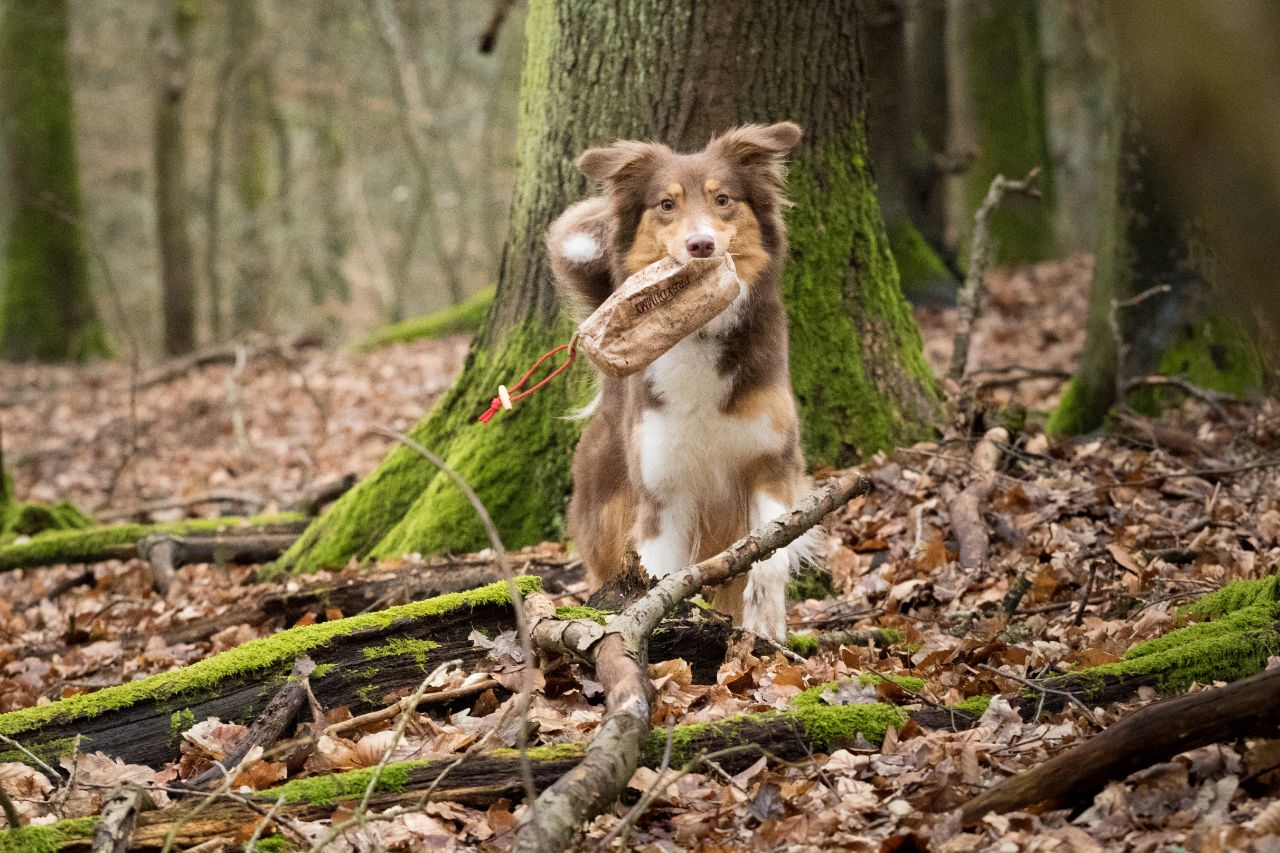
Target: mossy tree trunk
<point x="903" y="165"/>
<point x="1147" y="242"/>
<point x="595" y="72"/>
<point x="172" y="45"/>
<point x="998" y="101"/>
<point x="46" y="301"/>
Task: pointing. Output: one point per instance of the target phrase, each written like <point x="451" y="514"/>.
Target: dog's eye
<point x="722" y="200"/>
<point x="667" y="205"/>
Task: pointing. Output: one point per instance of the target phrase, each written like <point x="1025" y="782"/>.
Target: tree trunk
<point x="856" y="360"/>
<point x="998" y="101"/>
<point x="172" y="42"/>
<point x="927" y="93"/>
<point x="46" y="301"/>
<point x="1147" y="243"/>
<point x="901" y="164"/>
<point x="1218" y="132"/>
<point x="1078" y="109"/>
<point x="250" y="142"/>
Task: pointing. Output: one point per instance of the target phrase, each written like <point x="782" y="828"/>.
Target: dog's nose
<point x="700" y="245"/>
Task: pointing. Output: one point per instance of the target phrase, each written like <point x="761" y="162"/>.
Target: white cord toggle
<point x="505" y="397"/>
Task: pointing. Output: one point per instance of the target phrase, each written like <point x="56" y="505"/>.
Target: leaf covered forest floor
<point x="1104" y="507"/>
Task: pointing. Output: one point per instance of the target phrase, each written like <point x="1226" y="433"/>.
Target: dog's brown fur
<point x="685" y="456"/>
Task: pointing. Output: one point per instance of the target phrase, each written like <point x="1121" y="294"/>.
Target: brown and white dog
<point x="702" y="445"/>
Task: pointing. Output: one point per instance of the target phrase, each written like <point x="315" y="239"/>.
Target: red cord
<point x="496" y="405"/>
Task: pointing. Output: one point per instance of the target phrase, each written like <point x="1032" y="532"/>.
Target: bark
<point x="1078" y="98"/>
<point x="998" y="101"/>
<point x="928" y="86"/>
<point x="249" y="115"/>
<point x="856" y="360"/>
<point x="1153" y="734"/>
<point x="1152" y="308"/>
<point x="47" y="310"/>
<point x="172" y="46"/>
<point x="903" y="166"/>
<point x="1205" y="75"/>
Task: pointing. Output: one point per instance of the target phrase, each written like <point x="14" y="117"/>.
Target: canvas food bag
<point x="654" y="310"/>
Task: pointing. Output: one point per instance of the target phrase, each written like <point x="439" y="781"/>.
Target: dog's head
<point x="723" y="199"/>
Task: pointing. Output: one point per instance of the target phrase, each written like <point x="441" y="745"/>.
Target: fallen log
<point x="482" y="780"/>
<point x="359" y="660"/>
<point x="120" y="541"/>
<point x="1153" y="734"/>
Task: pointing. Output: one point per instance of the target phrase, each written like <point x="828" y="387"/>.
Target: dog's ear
<point x="756" y="144"/>
<point x="617" y="161"/>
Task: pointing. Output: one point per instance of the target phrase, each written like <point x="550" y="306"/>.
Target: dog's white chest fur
<point x="689" y="446"/>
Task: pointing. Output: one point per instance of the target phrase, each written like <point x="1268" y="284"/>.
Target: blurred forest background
<point x="279" y="166"/>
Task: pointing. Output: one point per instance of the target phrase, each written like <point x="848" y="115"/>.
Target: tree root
<point x="966" y="508"/>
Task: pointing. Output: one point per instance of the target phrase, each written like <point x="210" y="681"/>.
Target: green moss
<point x="1233" y="647"/>
<point x="581" y="612"/>
<point x="322" y="670"/>
<point x="408" y="646"/>
<point x="550" y="752"/>
<point x="1234" y="596"/>
<point x="518" y="465"/>
<point x="974" y="706"/>
<point x="179" y="722"/>
<point x="1073" y="415"/>
<point x="47" y="838"/>
<point x="464" y="318"/>
<point x="1217" y="354"/>
<point x="922" y="273"/>
<point x="30" y="519"/>
<point x="803" y="644"/>
<point x="857" y="365"/>
<point x="48" y="751"/>
<point x="811" y="582"/>
<point x="813" y="696"/>
<point x="266" y="653"/>
<point x="273" y="844"/>
<point x="71" y="546"/>
<point x="327" y="790"/>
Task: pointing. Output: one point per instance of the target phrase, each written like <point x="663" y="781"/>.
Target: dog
<point x="703" y="445"/>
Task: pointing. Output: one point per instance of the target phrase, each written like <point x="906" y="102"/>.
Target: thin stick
<point x="981" y="255"/>
<point x="263" y="824"/>
<point x="513" y="592"/>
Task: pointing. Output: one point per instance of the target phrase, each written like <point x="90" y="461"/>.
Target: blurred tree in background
<point x="47" y="310"/>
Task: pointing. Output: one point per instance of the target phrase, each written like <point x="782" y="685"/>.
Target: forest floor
<point x="1106" y="536"/>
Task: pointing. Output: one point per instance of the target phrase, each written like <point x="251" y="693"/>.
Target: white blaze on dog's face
<point x="700" y="205"/>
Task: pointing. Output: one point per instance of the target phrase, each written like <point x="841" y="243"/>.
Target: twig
<point x="359" y="816"/>
<point x="40" y="764"/>
<point x="399" y="706"/>
<point x="981" y="255"/>
<point x="624" y="828"/>
<point x="114" y="830"/>
<point x="518" y="605"/>
<point x="1042" y="689"/>
<point x="1088" y="591"/>
<point x="251" y="844"/>
<point x="12" y="819"/>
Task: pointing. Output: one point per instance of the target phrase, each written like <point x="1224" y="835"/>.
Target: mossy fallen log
<point x="359" y="661"/>
<point x="465" y="318"/>
<point x="807" y="728"/>
<point x="120" y="541"/>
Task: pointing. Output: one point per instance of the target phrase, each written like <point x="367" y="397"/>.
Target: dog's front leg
<point x="663" y="537"/>
<point x="764" y="605"/>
